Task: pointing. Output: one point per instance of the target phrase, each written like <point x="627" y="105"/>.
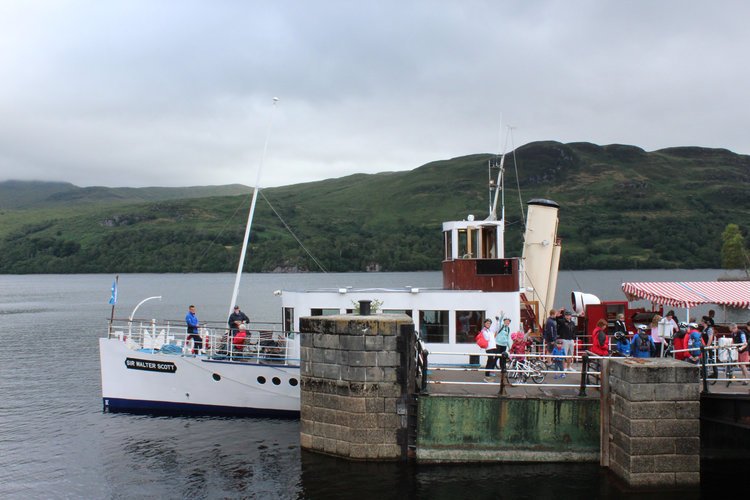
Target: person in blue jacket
<point x="694" y="343"/>
<point x="191" y="320"/>
<point x="642" y="346"/>
<point x="622" y="344"/>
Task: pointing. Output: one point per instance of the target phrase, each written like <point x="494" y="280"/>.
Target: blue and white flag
<point x="113" y="297"/>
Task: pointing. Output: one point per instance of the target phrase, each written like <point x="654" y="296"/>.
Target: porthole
<point x="216" y="377"/>
<point x="276" y="381"/>
<point x="261" y="380"/>
<point x="293" y="382"/>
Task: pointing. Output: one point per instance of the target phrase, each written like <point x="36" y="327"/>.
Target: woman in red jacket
<point x="599" y="341"/>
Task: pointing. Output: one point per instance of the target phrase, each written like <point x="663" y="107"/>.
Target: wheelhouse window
<point x="464" y="244"/>
<point x="448" y="245"/>
<point x="489" y="242"/>
<point x="433" y="326"/>
<point x="468" y="324"/>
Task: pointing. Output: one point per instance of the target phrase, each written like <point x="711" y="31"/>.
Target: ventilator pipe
<point x="580" y="300"/>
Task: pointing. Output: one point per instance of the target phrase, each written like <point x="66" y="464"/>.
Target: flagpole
<point x="114" y="296"/>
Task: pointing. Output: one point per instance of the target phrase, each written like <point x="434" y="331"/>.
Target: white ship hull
<point x="138" y="381"/>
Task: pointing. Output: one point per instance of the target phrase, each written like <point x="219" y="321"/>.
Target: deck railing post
<point x="425" y="353"/>
<point x="704" y="370"/>
<point x="584" y="372"/>
<point x="503" y="372"/>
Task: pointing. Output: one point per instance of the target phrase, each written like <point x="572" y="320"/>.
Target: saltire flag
<point x="113" y="297"/>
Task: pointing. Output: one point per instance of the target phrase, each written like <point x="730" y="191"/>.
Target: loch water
<point x="56" y="442"/>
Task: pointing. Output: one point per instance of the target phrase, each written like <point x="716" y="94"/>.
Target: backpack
<point x="482" y="342"/>
<point x="643" y="343"/>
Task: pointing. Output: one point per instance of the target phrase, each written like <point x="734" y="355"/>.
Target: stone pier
<point x="354" y="375"/>
<point x="654" y="431"/>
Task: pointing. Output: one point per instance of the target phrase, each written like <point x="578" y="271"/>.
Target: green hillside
<point x="621" y="207"/>
<point x="38" y="194"/>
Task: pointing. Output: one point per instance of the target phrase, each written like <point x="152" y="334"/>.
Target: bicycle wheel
<point x="512" y="373"/>
<point x="538" y="368"/>
<point x="712" y="376"/>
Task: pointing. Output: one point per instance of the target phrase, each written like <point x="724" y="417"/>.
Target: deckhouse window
<point x="448" y="245"/>
<point x="397" y="311"/>
<point x="433" y="326"/>
<point x="468" y="324"/>
<point x="324" y="312"/>
<point x="288" y="319"/>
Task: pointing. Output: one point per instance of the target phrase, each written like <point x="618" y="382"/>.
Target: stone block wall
<point x="353" y="385"/>
<point x="654" y="432"/>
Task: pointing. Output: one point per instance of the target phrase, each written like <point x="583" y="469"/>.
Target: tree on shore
<point x="734" y="254"/>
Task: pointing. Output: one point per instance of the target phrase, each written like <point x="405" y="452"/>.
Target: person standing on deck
<point x="488" y="331"/>
<point x="680" y="343"/>
<point x="655" y="336"/>
<point x="599" y="340"/>
<point x="709" y="339"/>
<point x="566" y="330"/>
<point x="710" y="318"/>
<point x="622" y="344"/>
<point x="672" y="326"/>
<point x="694" y="343"/>
<point x="191" y="320"/>
<point x="739" y="339"/>
<point x="502" y="337"/>
<point x="642" y="345"/>
<point x="236" y="319"/>
<point x="550" y="331"/>
<point x="557" y="352"/>
<point x="620" y="324"/>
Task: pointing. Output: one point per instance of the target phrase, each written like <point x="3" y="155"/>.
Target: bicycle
<point x="719" y="354"/>
<point x="523" y="369"/>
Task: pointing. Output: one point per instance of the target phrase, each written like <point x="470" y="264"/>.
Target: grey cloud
<point x="179" y="93"/>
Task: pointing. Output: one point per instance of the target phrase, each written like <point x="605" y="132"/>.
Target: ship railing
<point x="258" y="346"/>
<point x="717" y="358"/>
<point x="263" y="342"/>
<point x="515" y="370"/>
<point x="722" y="358"/>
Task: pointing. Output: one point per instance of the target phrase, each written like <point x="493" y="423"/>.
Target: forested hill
<point x="38" y="194"/>
<point x="621" y="207"/>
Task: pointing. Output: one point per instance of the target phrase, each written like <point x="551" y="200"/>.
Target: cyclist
<point x="642" y="346"/>
<point x="680" y="343"/>
<point x="622" y="344"/>
<point x="694" y="344"/>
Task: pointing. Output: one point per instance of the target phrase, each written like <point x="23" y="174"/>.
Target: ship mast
<point x="250" y="214"/>
<point x="499" y="185"/>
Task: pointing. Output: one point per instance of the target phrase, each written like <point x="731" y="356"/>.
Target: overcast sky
<point x="177" y="93"/>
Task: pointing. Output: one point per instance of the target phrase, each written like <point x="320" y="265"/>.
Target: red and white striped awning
<point x="691" y="293"/>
